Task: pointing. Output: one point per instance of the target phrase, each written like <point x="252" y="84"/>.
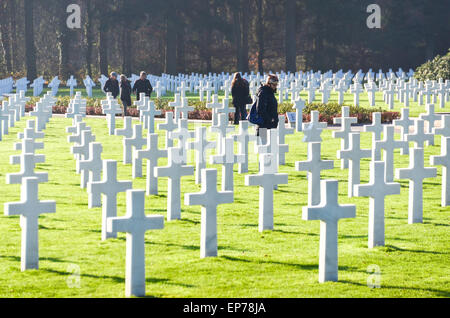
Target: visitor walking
<point x="241" y="97"/>
<point x="267" y="107"/>
<point x="125" y="93"/>
<point x="112" y="85"/>
<point x="142" y="85"/>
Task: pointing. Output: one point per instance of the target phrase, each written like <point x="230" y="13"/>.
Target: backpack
<point x="254" y="117"/>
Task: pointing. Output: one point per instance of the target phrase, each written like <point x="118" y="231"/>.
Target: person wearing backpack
<point x="241" y="97"/>
<point x="267" y="107"/>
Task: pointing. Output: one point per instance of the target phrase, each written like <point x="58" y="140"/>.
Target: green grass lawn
<point x="279" y="263"/>
<point x="415" y="109"/>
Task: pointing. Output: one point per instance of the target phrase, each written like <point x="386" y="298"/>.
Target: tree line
<point x="202" y="36"/>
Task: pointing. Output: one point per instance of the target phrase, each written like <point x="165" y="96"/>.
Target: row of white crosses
<point x="30" y="207"/>
<point x="323" y="205"/>
<point x="11" y="111"/>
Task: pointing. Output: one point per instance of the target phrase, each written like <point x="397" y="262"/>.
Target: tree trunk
<point x="290" y="40"/>
<point x="171" y="40"/>
<point x="245" y="28"/>
<point x="260" y="34"/>
<point x="63" y="41"/>
<point x="13" y="35"/>
<point x="4" y="28"/>
<point x="237" y="34"/>
<point x="181" y="60"/>
<point x="88" y="37"/>
<point x="127" y="67"/>
<point x="103" y="45"/>
<point x="30" y="49"/>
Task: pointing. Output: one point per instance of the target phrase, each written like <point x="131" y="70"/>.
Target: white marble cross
<point x="169" y="125"/>
<point x="135" y="223"/>
<point x="344" y="133"/>
<point x="141" y="105"/>
<point x="376" y="128"/>
<point x="299" y="105"/>
<point x="356" y="89"/>
<point x="136" y="141"/>
<point x="282" y="132"/>
<point x="419" y="137"/>
<point x="341" y="89"/>
<point x="148" y="116"/>
<point x="176" y="104"/>
<point x="109" y="187"/>
<point x="91" y="171"/>
<point x="377" y="189"/>
<point x="227" y="158"/>
<point x="444" y="130"/>
<point x="110" y="109"/>
<point x="152" y="153"/>
<point x="389" y="144"/>
<point x="184" y="109"/>
<point x="329" y="212"/>
<point x="200" y="146"/>
<point x="354" y="154"/>
<point x="183" y="135"/>
<point x="27" y="166"/>
<point x="81" y="151"/>
<point x="222" y="129"/>
<point x="416" y="173"/>
<point x="225" y="109"/>
<point x="314" y="165"/>
<point x="174" y="171"/>
<point x="243" y="138"/>
<point x="127" y="130"/>
<point x="267" y="179"/>
<point x="28" y="146"/>
<point x="209" y="198"/>
<point x="71" y="82"/>
<point x="444" y="161"/>
<point x="77" y="106"/>
<point x="405" y="123"/>
<point x="29" y="209"/>
<point x="371" y="89"/>
<point x="72" y="129"/>
<point x="214" y="105"/>
<point x="313" y="129"/>
<point x="430" y="118"/>
<point x="42" y="115"/>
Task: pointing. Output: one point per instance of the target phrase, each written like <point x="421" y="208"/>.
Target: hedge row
<point x="327" y="111"/>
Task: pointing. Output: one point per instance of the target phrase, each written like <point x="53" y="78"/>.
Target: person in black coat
<point x="241" y="97"/>
<point x="112" y="85"/>
<point x="142" y="85"/>
<point x="125" y="93"/>
<point x="267" y="106"/>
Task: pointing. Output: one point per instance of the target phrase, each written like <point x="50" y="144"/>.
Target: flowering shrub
<point x="327" y="111"/>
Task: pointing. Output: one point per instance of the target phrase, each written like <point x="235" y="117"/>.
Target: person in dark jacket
<point x="125" y="93"/>
<point x="112" y="85"/>
<point x="267" y="106"/>
<point x="142" y="85"/>
<point x="241" y="97"/>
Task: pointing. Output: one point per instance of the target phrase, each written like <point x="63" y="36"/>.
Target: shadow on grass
<point x="298" y="266"/>
<point x="436" y="224"/>
<point x="41" y="259"/>
<point x="442" y="293"/>
<point x="392" y="248"/>
<point x="118" y="279"/>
